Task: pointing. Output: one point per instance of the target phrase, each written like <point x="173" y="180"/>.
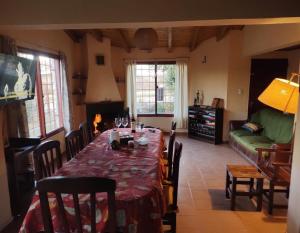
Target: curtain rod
<point x="155" y="59"/>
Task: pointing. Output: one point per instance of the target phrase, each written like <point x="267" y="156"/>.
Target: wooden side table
<point x="244" y="175"/>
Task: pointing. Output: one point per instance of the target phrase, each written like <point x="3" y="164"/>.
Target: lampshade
<point x="145" y="38"/>
<point x="281" y="94"/>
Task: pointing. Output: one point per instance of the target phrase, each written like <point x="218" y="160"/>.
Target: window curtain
<point x="64" y="85"/>
<point x="15" y="117"/>
<point x="130" y="88"/>
<point x="181" y="94"/>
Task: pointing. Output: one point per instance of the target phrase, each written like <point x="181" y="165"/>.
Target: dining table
<point x="138" y="172"/>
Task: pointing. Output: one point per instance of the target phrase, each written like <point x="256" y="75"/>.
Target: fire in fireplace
<point x="101" y="115"/>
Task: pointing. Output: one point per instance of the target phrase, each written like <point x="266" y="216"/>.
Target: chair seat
<point x="283" y="175"/>
<point x="165" y="162"/>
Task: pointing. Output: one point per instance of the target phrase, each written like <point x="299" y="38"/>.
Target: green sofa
<point x="277" y="129"/>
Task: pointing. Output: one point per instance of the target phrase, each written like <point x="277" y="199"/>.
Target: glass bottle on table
<point x="133" y="124"/>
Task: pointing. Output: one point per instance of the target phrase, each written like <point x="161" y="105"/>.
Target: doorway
<point x="263" y="71"/>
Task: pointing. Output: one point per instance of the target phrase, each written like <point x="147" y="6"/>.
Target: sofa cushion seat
<point x="252" y="141"/>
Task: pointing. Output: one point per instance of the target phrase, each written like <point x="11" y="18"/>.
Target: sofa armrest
<point x="236" y="124"/>
<point x="282" y="146"/>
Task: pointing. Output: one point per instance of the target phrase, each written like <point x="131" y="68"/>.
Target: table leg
<point x="259" y="190"/>
<point x="251" y="183"/>
<point x="233" y="194"/>
<point x="227" y="184"/>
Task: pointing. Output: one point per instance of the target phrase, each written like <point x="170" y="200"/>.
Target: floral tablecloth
<point x="139" y="196"/>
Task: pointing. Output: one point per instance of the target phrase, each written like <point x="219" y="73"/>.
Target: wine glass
<point x="118" y="122"/>
<point x="124" y="121"/>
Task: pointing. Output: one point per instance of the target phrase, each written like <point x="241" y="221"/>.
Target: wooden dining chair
<point x="276" y="164"/>
<point x="74" y="143"/>
<point x="86" y="133"/>
<point x="171" y="190"/>
<point x="173" y="126"/>
<point x="47" y="159"/>
<point x="75" y="186"/>
<point x="168" y="154"/>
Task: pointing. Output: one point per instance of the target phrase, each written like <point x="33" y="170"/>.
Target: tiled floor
<point x="203" y="207"/>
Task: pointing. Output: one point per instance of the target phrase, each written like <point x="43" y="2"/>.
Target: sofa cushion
<point x="278" y="126"/>
<point x="252" y="127"/>
<point x="240" y="133"/>
<point x="251" y="142"/>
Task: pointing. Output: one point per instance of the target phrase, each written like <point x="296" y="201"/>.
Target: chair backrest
<point x="86" y="133"/>
<point x="170" y="152"/>
<point x="75" y="186"/>
<point x="273" y="163"/>
<point x="173" y="127"/>
<point x="47" y="159"/>
<point x="175" y="173"/>
<point x="74" y="143"/>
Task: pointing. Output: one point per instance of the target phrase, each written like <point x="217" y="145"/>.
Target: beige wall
<point x="261" y="39"/>
<point x="225" y="75"/>
<point x="210" y="77"/>
<point x="238" y="81"/>
<point x="101" y="84"/>
<point x="49" y="41"/>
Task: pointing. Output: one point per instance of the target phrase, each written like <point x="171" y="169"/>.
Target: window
<point x="155" y="88"/>
<point x="44" y="112"/>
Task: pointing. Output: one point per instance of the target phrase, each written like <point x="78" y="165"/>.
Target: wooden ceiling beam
<point x="75" y="35"/>
<point x="222" y="32"/>
<point x="125" y="40"/>
<point x="170" y="40"/>
<point x="97" y="34"/>
<point x="194" y="39"/>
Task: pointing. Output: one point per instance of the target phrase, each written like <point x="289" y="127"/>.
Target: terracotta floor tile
<point x="203" y="207"/>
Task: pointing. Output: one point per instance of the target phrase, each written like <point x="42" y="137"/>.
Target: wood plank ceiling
<point x="168" y="38"/>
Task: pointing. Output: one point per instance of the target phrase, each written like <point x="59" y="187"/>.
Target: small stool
<point x="248" y="174"/>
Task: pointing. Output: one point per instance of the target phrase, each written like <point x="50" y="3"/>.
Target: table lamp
<point x="282" y="94"/>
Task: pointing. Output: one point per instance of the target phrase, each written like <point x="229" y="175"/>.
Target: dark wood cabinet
<point x="19" y="183"/>
<point x="205" y="123"/>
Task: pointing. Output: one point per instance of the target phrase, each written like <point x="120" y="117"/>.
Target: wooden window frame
<point x="39" y="92"/>
<point x="155" y="63"/>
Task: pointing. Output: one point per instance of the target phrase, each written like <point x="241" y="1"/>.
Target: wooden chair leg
<point x="227" y="185"/>
<point x="233" y="194"/>
<point x="287" y="192"/>
<point x="271" y="198"/>
<point x="173" y="223"/>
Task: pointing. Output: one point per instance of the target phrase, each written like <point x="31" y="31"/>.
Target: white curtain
<point x="130" y="88"/>
<point x="181" y="94"/>
<point x="66" y="96"/>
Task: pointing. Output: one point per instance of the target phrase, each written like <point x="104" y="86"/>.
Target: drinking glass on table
<point x="118" y="122"/>
<point x="124" y="121"/>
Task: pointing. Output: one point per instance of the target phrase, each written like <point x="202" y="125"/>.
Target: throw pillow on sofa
<point x="252" y="127"/>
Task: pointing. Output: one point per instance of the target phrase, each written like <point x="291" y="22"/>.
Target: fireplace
<point x="101" y="115"/>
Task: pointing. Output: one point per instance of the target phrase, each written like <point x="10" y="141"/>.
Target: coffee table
<point x="244" y="175"/>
